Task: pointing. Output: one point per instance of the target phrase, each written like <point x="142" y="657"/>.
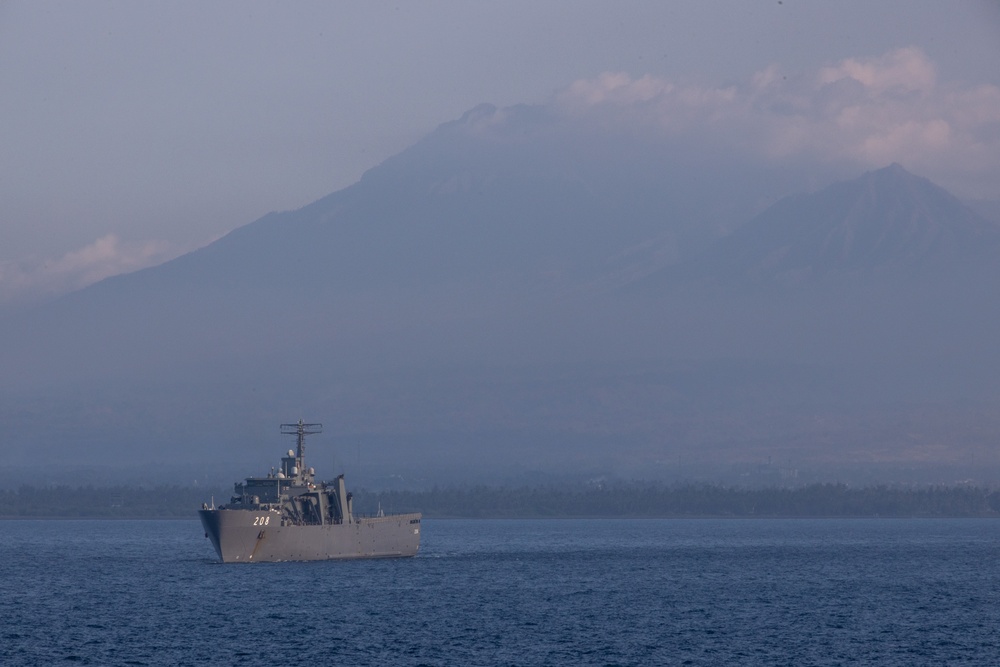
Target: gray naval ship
<point x="287" y="515"/>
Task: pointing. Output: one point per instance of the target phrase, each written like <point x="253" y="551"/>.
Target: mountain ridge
<point x="886" y="221"/>
<point x="437" y="299"/>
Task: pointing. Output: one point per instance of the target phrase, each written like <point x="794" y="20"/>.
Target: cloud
<point x="905" y="69"/>
<point x="33" y="278"/>
<point x="866" y="112"/>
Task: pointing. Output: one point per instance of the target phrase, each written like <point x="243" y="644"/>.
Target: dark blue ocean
<point x="548" y="592"/>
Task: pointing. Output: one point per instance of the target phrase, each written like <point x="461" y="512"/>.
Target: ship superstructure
<point x="287" y="515"/>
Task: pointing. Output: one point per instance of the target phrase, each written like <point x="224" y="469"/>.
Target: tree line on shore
<point x="692" y="500"/>
<point x="635" y="500"/>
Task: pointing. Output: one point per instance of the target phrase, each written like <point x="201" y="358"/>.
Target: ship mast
<point x="301" y="430"/>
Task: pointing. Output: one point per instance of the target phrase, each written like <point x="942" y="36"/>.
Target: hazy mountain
<point x="887" y="224"/>
<point x="887" y="267"/>
<point x="515" y="294"/>
<point x="988" y="208"/>
<point x="887" y="221"/>
<point x="496" y="193"/>
<point x="448" y="245"/>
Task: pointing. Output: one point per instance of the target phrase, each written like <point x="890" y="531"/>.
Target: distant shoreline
<point x="613" y="501"/>
<point x="194" y="518"/>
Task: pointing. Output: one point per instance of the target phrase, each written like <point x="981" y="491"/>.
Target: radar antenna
<point x="301" y="431"/>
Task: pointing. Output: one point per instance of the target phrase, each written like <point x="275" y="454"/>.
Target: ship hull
<point x="249" y="536"/>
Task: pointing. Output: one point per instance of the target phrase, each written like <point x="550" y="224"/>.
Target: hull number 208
<point x="261" y="520"/>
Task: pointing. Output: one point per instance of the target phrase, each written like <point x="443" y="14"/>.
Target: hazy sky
<point x="134" y="131"/>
